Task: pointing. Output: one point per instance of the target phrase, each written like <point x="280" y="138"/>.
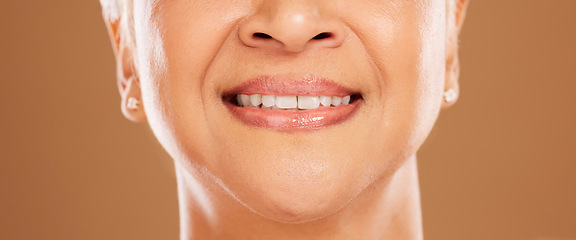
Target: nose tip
<point x="295" y="43"/>
<point x="292" y="27"/>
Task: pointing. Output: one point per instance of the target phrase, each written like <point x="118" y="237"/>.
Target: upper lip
<point x="280" y="86"/>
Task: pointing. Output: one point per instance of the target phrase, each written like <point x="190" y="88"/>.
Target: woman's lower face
<point x="295" y="107"/>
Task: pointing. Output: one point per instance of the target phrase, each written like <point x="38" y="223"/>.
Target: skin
<point x="354" y="180"/>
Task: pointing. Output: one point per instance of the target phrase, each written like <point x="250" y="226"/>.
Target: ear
<point x="455" y="21"/>
<point x="127" y="77"/>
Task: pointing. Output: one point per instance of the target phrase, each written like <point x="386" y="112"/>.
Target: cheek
<point x="414" y="64"/>
<point x="175" y="47"/>
<point x="408" y="52"/>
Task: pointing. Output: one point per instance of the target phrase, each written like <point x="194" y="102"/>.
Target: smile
<point x="291" y="105"/>
<point x="273" y="102"/>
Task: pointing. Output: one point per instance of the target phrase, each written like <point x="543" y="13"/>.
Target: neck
<point x="388" y="209"/>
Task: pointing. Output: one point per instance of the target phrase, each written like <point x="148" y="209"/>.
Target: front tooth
<point x="286" y="102"/>
<point x="308" y="102"/>
<point x="336" y="101"/>
<point x="256" y="100"/>
<point x="243" y="100"/>
<point x="346" y="100"/>
<point x="325" y="101"/>
<point x="268" y="100"/>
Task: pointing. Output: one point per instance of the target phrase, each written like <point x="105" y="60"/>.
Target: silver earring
<point x="133" y="103"/>
<point x="449" y="95"/>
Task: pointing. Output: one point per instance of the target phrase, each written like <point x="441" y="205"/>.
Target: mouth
<point x="292" y="105"/>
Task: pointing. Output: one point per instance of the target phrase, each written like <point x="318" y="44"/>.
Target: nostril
<point x="261" y="35"/>
<point x="322" y="36"/>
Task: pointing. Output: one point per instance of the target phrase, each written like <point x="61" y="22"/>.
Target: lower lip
<point x="294" y="120"/>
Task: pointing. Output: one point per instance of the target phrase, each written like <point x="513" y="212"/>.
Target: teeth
<point x="336" y="101"/>
<point x="273" y="102"/>
<point x="346" y="100"/>
<point x="308" y="102"/>
<point x="243" y="100"/>
<point x="325" y="101"/>
<point x="255" y="100"/>
<point x="285" y="102"/>
<point x="268" y="100"/>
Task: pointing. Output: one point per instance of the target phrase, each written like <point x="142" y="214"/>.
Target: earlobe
<point x="131" y="103"/>
<point x="126" y="72"/>
<point x="129" y="85"/>
<point x="451" y="85"/>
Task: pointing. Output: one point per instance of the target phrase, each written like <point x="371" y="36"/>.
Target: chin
<point x="298" y="189"/>
<point x="299" y="204"/>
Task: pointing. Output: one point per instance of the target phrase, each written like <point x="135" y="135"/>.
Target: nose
<point x="292" y="26"/>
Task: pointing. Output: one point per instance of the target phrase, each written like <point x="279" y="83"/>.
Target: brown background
<point x="499" y="165"/>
